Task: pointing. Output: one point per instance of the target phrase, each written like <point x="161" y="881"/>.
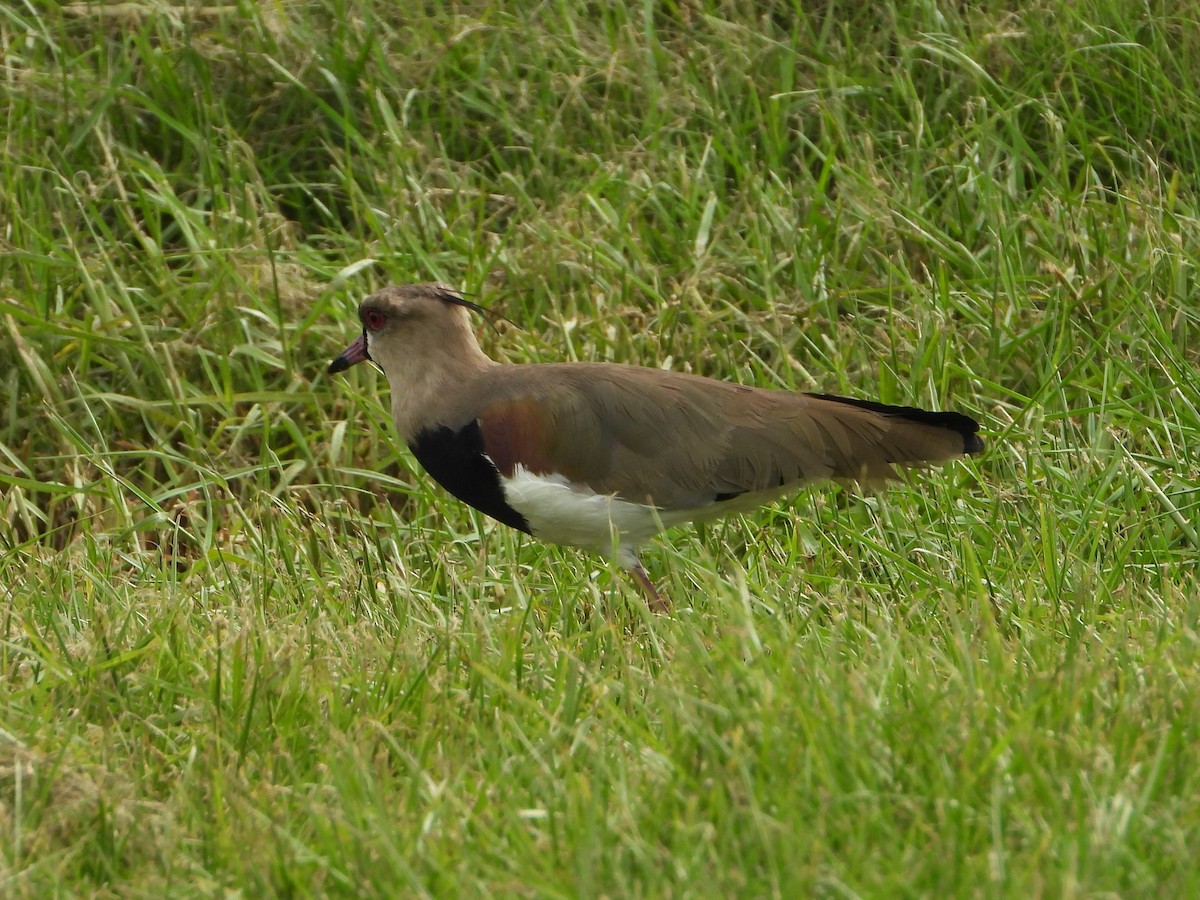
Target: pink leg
<point x="654" y="599"/>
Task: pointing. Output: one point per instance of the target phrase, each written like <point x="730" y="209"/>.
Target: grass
<point x="247" y="648"/>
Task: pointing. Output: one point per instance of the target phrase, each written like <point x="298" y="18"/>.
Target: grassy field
<point x="247" y="649"/>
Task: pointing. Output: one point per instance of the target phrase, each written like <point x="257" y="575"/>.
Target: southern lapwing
<point x="604" y="456"/>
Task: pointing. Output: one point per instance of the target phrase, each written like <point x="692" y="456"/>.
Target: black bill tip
<point x="352" y="355"/>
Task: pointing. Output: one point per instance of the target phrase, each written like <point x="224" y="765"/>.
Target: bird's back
<point x="679" y="440"/>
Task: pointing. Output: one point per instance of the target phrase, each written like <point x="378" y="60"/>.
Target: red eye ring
<point x="373" y="319"/>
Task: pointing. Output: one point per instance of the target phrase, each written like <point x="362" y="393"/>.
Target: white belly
<point x="562" y="513"/>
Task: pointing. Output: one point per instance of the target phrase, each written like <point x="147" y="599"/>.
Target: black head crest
<point x="447" y="294"/>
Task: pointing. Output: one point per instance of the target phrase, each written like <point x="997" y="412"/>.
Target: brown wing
<point x="681" y="441"/>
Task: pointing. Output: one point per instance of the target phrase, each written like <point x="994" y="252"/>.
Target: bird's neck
<point x="422" y="390"/>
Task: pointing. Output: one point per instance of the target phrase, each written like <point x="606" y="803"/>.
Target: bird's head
<point x="413" y="326"/>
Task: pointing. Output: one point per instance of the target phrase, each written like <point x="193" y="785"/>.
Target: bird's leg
<point x="654" y="599"/>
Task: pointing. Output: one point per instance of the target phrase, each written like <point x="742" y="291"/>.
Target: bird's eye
<point x="373" y="319"/>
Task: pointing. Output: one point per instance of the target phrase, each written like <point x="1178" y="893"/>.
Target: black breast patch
<point x="457" y="462"/>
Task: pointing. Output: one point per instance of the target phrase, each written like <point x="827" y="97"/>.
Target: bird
<point x="604" y="456"/>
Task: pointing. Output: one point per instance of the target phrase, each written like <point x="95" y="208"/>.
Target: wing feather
<point x="681" y="441"/>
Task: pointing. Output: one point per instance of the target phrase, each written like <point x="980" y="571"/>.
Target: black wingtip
<point x="964" y="425"/>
